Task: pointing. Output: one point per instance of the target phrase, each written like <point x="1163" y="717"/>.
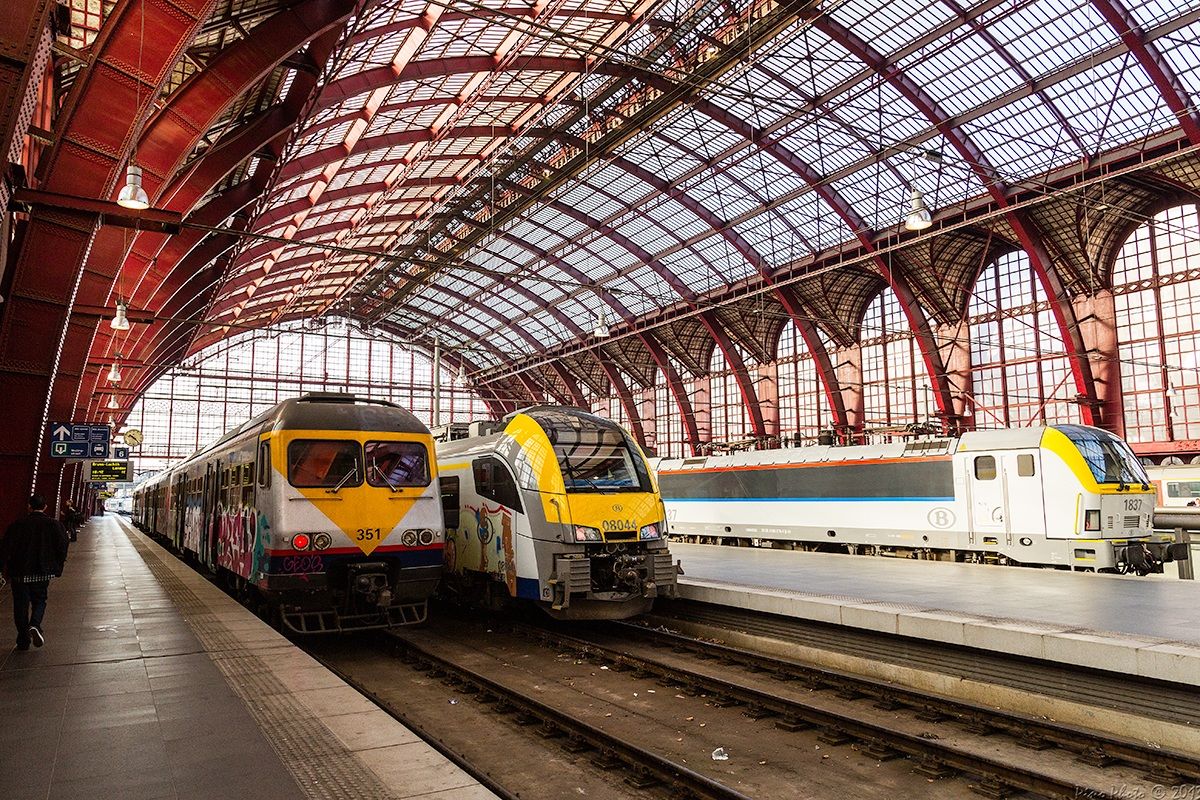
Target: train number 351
<point x="369" y="534"/>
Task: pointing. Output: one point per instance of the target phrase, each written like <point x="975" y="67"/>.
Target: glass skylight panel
<point x="1049" y="34"/>
<point x="728" y="263"/>
<point x="1153" y="12"/>
<point x="818" y="223"/>
<point x="722" y="195"/>
<point x="775" y="239"/>
<point x="701" y="134"/>
<point x="827" y="147"/>
<point x="880" y="206"/>
<point x="660" y="157"/>
<point x="1021" y="139"/>
<point x="1182" y="51"/>
<point x="961" y="74"/>
<point x="890" y="24"/>
<point x="810" y="60"/>
<point x="1137" y="108"/>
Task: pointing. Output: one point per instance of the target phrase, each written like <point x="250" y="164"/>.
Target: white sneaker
<point x="36" y="637"/>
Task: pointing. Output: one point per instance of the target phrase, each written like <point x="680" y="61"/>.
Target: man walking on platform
<point x="33" y="550"/>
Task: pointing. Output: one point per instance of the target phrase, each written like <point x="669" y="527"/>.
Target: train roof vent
<point x="695" y="462"/>
<point x="340" y="397"/>
<point x="926" y="447"/>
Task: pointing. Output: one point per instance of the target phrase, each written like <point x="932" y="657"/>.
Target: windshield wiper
<point x="353" y="471"/>
<point x="574" y="476"/>
<point x="379" y="472"/>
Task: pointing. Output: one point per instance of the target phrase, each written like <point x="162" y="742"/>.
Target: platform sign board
<point x="108" y="472"/>
<point x="78" y="440"/>
<point x="119" y="453"/>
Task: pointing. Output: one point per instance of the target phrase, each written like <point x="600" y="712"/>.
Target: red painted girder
<point x="378" y="77"/>
<point x="1161" y="74"/>
<point x="24" y="51"/>
<point x="675" y="384"/>
<point x="915" y="315"/>
<point x="338" y="152"/>
<point x="803" y="321"/>
<point x="97" y="121"/>
<point x="1029" y="236"/>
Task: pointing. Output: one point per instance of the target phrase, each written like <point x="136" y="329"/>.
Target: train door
<point x="1023" y="485"/>
<point x="208" y="510"/>
<point x="180" y="510"/>
<point x="989" y="520"/>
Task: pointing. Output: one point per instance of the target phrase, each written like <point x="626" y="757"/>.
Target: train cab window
<point x="985" y="468"/>
<point x="397" y="464"/>
<point x="324" y="463"/>
<point x="1025" y="466"/>
<point x="495" y="482"/>
<point x="448" y="486"/>
<point x="264" y="464"/>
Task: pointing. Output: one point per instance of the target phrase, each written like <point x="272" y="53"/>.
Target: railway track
<point x="644" y="768"/>
<point x="1087" y="764"/>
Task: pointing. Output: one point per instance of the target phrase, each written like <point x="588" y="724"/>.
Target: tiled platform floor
<point x="153" y="684"/>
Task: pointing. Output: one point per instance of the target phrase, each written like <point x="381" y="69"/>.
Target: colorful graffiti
<point x="236" y="529"/>
<point x="485" y="544"/>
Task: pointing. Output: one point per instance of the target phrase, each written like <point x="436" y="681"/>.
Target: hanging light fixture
<point x="112" y="403"/>
<point x="132" y="194"/>
<point x="120" y="320"/>
<point x="461" y="378"/>
<point x="918" y="218"/>
<point x="601" y="331"/>
<point x="114" y="372"/>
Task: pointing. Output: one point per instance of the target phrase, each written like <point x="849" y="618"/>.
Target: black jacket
<point x="34" y="545"/>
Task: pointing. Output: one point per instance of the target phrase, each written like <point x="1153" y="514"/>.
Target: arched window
<point x="802" y="412"/>
<point x="670" y="440"/>
<point x="893" y="395"/>
<point x="1156" y="282"/>
<point x="225" y="385"/>
<point x="730" y="422"/>
<point x="1020" y="373"/>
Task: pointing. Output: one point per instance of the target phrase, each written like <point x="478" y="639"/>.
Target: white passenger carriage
<point x="1066" y="496"/>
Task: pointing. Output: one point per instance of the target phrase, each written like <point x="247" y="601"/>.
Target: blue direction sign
<point x="74" y="440"/>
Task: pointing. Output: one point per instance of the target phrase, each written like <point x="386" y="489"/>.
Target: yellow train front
<point x="556" y="506"/>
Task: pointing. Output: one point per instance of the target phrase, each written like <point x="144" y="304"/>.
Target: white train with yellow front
<point x="1067" y="496"/>
<point x="558" y="507"/>
<point x="324" y="508"/>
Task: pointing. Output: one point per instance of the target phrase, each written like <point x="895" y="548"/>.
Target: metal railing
<point x="1182" y="521"/>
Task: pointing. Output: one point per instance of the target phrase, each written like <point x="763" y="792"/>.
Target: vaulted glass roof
<point x="498" y="172"/>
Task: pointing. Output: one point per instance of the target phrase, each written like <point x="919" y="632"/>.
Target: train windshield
<point x="324" y="463"/>
<point x="1107" y="455"/>
<point x="396" y="464"/>
<point x="593" y="453"/>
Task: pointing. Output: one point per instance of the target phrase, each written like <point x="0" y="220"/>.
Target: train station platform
<point x="1123" y="624"/>
<point x="155" y="684"/>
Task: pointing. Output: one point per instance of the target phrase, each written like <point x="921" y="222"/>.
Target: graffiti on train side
<point x="236" y="531"/>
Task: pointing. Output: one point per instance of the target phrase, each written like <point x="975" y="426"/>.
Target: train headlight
<point x="427" y="536"/>
<point x="1091" y="519"/>
<point x="651" y="531"/>
<point x="322" y="541"/>
<point x="585" y="534"/>
<point x="409" y="538"/>
<point x="301" y="541"/>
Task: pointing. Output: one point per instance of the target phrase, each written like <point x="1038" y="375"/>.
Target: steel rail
<point x="930" y="754"/>
<point x="648" y="767"/>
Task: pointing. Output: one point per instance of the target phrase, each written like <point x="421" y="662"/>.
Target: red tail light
<point x="300" y="541"/>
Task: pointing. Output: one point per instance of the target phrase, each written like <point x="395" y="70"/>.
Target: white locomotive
<point x="1066" y="496"/>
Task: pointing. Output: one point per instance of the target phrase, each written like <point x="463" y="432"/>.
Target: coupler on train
<point x="356" y="596"/>
<point x="610" y="581"/>
<point x="1145" y="558"/>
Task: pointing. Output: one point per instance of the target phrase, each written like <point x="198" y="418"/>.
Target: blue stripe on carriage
<point x="528" y="588"/>
<point x="808" y="499"/>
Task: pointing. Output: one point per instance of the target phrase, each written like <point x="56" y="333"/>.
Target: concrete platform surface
<point x="1112" y="622"/>
<point x="155" y="684"/>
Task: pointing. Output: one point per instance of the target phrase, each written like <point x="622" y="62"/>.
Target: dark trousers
<point x="29" y="604"/>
